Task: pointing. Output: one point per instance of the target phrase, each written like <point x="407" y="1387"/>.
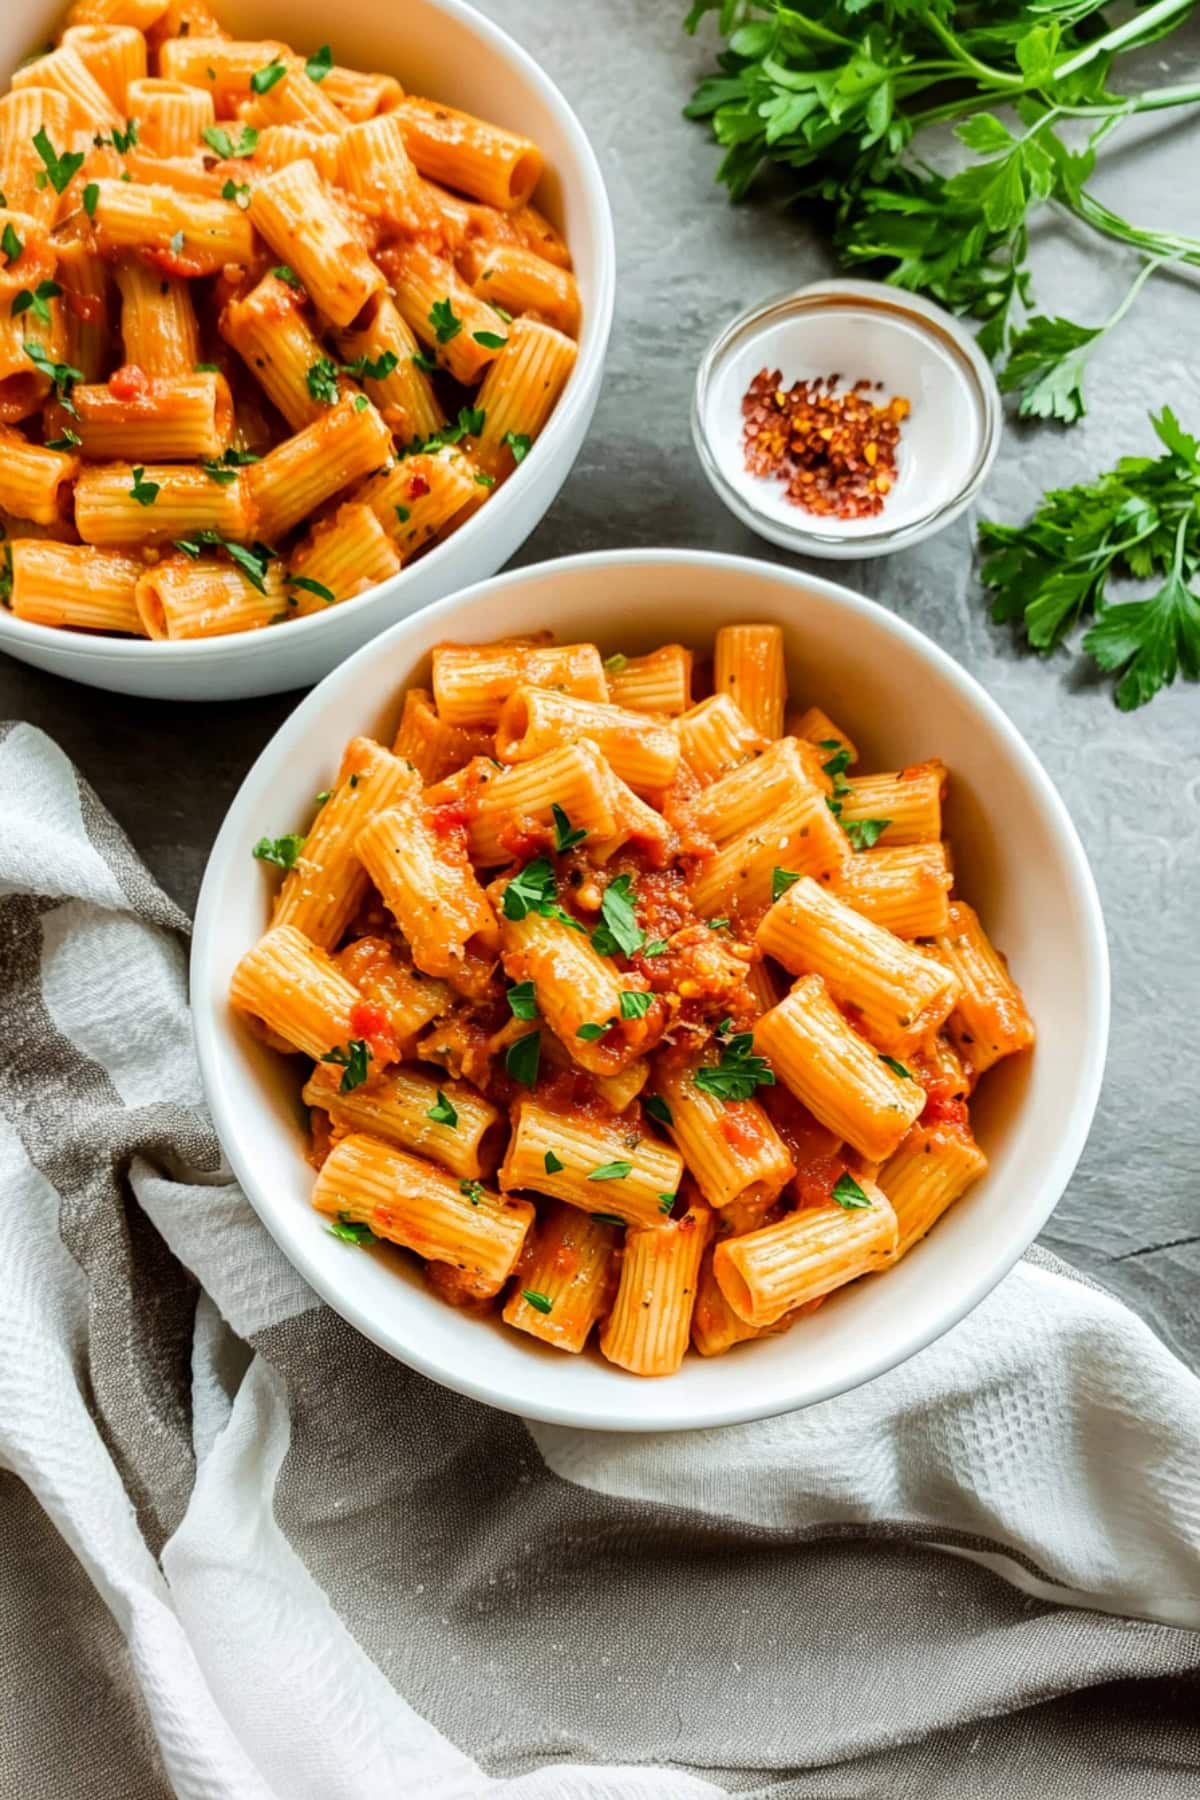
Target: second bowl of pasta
<point x="303" y="323"/>
<point x="720" y="999"/>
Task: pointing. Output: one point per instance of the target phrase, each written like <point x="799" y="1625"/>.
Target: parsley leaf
<point x="372" y="369"/>
<point x="619" y="929"/>
<point x="68" y="441"/>
<point x="737" y="1072"/>
<point x="865" y="833"/>
<point x="264" y="79"/>
<point x="36" y="300"/>
<point x="91" y="194"/>
<point x="312" y="587"/>
<point x="615" y="663"/>
<point x="491" y="340"/>
<point x="281" y="272"/>
<point x="58" y="170"/>
<point x="607" y="1219"/>
<point x="656" y="947"/>
<point x="552" y="1164"/>
<point x="566" y="836"/>
<point x="351" y="1231"/>
<point x="11" y="244"/>
<point x="897" y="1068"/>
<point x="425" y="362"/>
<point x="590" y="1032"/>
<point x="442" y="1112"/>
<point x="352" y="1059"/>
<point x="635" y="1005"/>
<point x="322" y="379"/>
<point x="532" y="889"/>
<point x="281" y="850"/>
<point x="521" y="1059"/>
<point x="538" y="1301"/>
<point x="62" y="375"/>
<point x="611" y="1171"/>
<point x="473" y="1191"/>
<point x="319" y="64"/>
<point x="847" y="1193"/>
<point x="238" y="192"/>
<point x="144" y="492"/>
<point x="656" y="1108"/>
<point x="781" y="881"/>
<point x="519" y="442"/>
<point x="445" y="321"/>
<point x="218" y="139"/>
<point x="522" y="1001"/>
<point x="1049" y="356"/>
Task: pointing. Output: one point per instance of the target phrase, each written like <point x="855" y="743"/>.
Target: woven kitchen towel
<point x="246" y="1555"/>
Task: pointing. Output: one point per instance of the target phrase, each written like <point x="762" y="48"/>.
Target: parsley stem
<point x="965" y="60"/>
<point x="1168" y="246"/>
<point x="1139" y="25"/>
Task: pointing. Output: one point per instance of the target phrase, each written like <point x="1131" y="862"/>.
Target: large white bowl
<point x="447" y="49"/>
<point x="1018" y="860"/>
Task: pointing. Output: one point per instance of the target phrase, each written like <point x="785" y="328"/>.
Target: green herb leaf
<point x="533" y="889"/>
<point x="445" y="321"/>
<point x="218" y="138"/>
<point x="483" y="479"/>
<point x="522" y="1058"/>
<point x="552" y="1164"/>
<point x="611" y="1171"/>
<point x="10" y="243"/>
<point x="238" y="192"/>
<point x="635" y="1005"/>
<point x="319" y="64"/>
<point x="403" y="514"/>
<point x="312" y="587"/>
<point x="62" y="375"/>
<point x="619" y="930"/>
<point x="473" y="1191"/>
<point x="491" y="340"/>
<point x="36" y="301"/>
<point x="608" y="1219"/>
<point x="350" y="1231"/>
<point x="219" y="472"/>
<point x="283" y="273"/>
<point x="897" y="1068"/>
<point x="666" y="1202"/>
<point x="425" y="362"/>
<point x="281" y="850"/>
<point x="737" y="1072"/>
<point x="519" y="442"/>
<point x="615" y="663"/>
<point x="590" y="1032"/>
<point x="264" y="79"/>
<point x="719" y="924"/>
<point x="442" y="1112"/>
<point x="847" y="1193"/>
<point x="781" y="881"/>
<point x="58" y="170"/>
<point x="352" y="1059"/>
<point x="376" y="368"/>
<point x="538" y="1301"/>
<point x="322" y="380"/>
<point x="91" y="194"/>
<point x="144" y="492"/>
<point x="522" y="1001"/>
<point x="656" y="947"/>
<point x="566" y="836"/>
<point x="864" y="834"/>
<point x="656" y="1108"/>
<point x="68" y="441"/>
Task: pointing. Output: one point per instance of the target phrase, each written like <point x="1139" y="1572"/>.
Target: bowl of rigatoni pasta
<point x="302" y="323"/>
<point x="677" y="1010"/>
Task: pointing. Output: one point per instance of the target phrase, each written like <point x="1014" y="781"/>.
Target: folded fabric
<point x="297" y="1569"/>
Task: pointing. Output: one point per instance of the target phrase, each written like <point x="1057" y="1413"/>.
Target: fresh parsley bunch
<point x="1142" y="519"/>
<point x="838" y="94"/>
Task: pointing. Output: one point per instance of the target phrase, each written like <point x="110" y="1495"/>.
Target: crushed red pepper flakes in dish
<point x="835" y="447"/>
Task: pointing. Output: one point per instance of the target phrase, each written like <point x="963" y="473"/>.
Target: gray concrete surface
<point x="687" y="262"/>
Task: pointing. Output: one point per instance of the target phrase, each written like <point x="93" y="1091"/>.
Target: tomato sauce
<point x="130" y="383"/>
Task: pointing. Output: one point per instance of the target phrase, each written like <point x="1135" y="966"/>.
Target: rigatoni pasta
<point x="636" y="1069"/>
<point x="162" y="181"/>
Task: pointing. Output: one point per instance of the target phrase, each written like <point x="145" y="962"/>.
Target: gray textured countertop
<point x="687" y="262"/>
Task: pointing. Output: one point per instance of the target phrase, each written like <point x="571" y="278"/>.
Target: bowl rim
<point x="593" y="345"/>
<point x="229" y="1114"/>
<point x="868" y="296"/>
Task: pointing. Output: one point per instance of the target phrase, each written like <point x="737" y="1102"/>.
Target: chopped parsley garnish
<point x="471" y="420"/>
<point x="519" y="442"/>
<point x="657" y="1108"/>
<point x="322" y="379"/>
<point x="312" y="587"/>
<point x="590" y="1032"/>
<point x="319" y="64"/>
<point x="719" y="924"/>
<point x="352" y="1060"/>
<point x="324" y="795"/>
<point x="615" y="663"/>
<point x="607" y="1219"/>
<point x="372" y="369"/>
<point x="442" y="1112"/>
<point x="473" y="1191"/>
<point x="532" y="889"/>
<point x="445" y="321"/>
<point x="62" y="375"/>
<point x="864" y="833"/>
<point x="253" y="562"/>
<point x="611" y="1171"/>
<point x="839" y="762"/>
<point x="737" y="1072"/>
<point x="219" y="140"/>
<point x="781" y="881"/>
<point x="36" y="300"/>
<point x="491" y="340"/>
<point x="538" y="1301"/>
<point x="897" y="1068"/>
<point x="221" y="473"/>
<point x="521" y="1059"/>
<point x="281" y="272"/>
<point x="351" y="1231"/>
<point x="68" y="441"/>
<point x="665" y="1202"/>
<point x="225" y="471"/>
<point x="238" y="192"/>
<point x="91" y="194"/>
<point x="403" y="514"/>
<point x="425" y="362"/>
<point x="635" y="1005"/>
<point x="58" y="170"/>
<point x="483" y="479"/>
<point x="207" y="369"/>
<point x="123" y="141"/>
<point x="656" y="947"/>
<point x="144" y="492"/>
<point x="566" y="836"/>
<point x="281" y="850"/>
<point x="11" y="244"/>
<point x="619" y="929"/>
<point x="506" y="316"/>
<point x="552" y="1164"/>
<point x="847" y="1193"/>
<point x="264" y="79"/>
<point x="522" y="1001"/>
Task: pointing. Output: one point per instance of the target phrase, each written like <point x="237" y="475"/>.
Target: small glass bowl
<point x="861" y="330"/>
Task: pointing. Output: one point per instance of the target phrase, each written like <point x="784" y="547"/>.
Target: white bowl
<point x="446" y="49"/>
<point x="1019" y="860"/>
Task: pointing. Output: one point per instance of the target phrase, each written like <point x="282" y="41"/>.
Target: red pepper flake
<point x="417" y="487"/>
<point x="833" y="446"/>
